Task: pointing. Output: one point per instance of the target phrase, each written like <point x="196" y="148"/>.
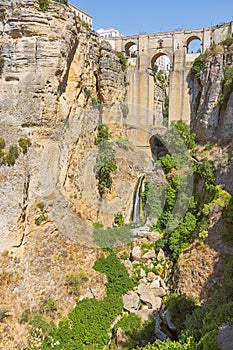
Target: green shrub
<point x="206" y="170"/>
<point x="152" y="203"/>
<point x="24" y="144"/>
<point x="41" y="206"/>
<point x="40" y="219"/>
<point x="197" y="66"/>
<point x="2" y="143"/>
<point x="119" y="220"/>
<point x="179" y="307"/>
<point x="95" y="102"/>
<point x="44" y="4"/>
<point x="123" y="60"/>
<point x="74" y="281"/>
<point x="171" y="345"/>
<point x="167" y="162"/>
<point x="184" y="131"/>
<point x="227" y="86"/>
<point x="112" y="237"/>
<point x="11" y="156"/>
<point x="125" y="110"/>
<point x="106" y="162"/>
<point x="103" y="134"/>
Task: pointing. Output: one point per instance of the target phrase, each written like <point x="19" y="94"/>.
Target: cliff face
<point x="53" y="72"/>
<point x="211" y="117"/>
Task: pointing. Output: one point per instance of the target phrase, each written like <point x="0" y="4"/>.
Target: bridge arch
<point x="157" y="55"/>
<point x="194" y="44"/>
<point x="131" y="49"/>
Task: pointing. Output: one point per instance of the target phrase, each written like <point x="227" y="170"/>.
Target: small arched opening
<point x="157" y="147"/>
<point x="194" y="45"/>
<point x="131" y="49"/>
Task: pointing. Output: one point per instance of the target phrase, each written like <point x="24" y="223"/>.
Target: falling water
<point x="136" y="206"/>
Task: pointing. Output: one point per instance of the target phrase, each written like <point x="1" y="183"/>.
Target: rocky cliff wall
<point x="53" y="71"/>
<point x="211" y="118"/>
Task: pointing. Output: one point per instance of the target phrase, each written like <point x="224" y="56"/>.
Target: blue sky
<point x="134" y="17"/>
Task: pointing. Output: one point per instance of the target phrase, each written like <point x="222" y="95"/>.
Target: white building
<point x="109" y="33"/>
<point x="163" y="62"/>
<point x="84" y="16"/>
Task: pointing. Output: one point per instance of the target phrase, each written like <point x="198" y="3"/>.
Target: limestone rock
<point x="136" y="253"/>
<point x="156" y="283"/>
<point x="149" y="255"/>
<point x="131" y="301"/>
<point x="151" y="276"/>
<point x="150" y="297"/>
<point x="144" y="314"/>
<point x="154" y="236"/>
<point x="161" y="255"/>
<point x="121" y="338"/>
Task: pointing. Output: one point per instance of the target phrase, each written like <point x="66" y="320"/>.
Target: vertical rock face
<point x="210" y="120"/>
<point x="52" y="71"/>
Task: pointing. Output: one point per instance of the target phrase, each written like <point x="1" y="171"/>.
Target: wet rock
<point x="225" y="337"/>
<point x="166" y="317"/>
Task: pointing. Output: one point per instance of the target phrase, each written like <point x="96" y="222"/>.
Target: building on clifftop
<point x="84" y="16"/>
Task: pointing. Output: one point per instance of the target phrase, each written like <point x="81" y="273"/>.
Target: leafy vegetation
<point x="44" y="4"/>
<point x="227" y="86"/>
<point x="84" y="24"/>
<point x="119" y="220"/>
<point x="2" y="143"/>
<point x="88" y="325"/>
<point x="123" y="60"/>
<point x="106" y="162"/>
<point x="74" y="281"/>
<point x="24" y="143"/>
<point x="197" y="66"/>
<point x="112" y="237"/>
<point x="40" y="219"/>
<point x="10" y="158"/>
<point x="152" y="200"/>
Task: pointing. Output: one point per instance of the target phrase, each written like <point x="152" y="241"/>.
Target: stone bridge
<point x="149" y="47"/>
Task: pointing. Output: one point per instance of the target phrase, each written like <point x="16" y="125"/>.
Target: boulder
<point x="154" y="236"/>
<point x="166" y="317"/>
<point x="161" y="255"/>
<point x="225" y="337"/>
<point x="144" y="314"/>
<point x="121" y="339"/>
<point x="131" y="301"/>
<point x="155" y="283"/>
<point x="149" y="297"/>
<point x="129" y="266"/>
<point x="149" y="255"/>
<point x="136" y="253"/>
<point x="151" y="276"/>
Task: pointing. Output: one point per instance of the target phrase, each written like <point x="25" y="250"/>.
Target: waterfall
<point x="136" y="206"/>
